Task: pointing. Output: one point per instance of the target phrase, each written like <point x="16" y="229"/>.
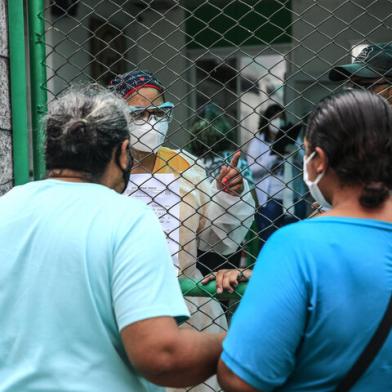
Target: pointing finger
<point x="235" y="159"/>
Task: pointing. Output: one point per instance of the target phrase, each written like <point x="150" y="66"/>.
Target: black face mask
<point x="126" y="173"/>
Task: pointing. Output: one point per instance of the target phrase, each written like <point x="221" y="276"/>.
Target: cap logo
<point x="364" y="55"/>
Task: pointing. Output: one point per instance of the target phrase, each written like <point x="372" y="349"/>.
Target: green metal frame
<point x="192" y="288"/>
<point x="18" y="91"/>
<point x="38" y="81"/>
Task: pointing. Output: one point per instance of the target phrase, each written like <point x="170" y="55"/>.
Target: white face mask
<point x="313" y="185"/>
<point x="149" y="136"/>
<point x="275" y="125"/>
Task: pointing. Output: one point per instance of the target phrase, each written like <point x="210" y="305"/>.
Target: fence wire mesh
<point x="243" y="76"/>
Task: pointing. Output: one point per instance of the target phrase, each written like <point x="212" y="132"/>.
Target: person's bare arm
<point x="230" y="382"/>
<point x="170" y="356"/>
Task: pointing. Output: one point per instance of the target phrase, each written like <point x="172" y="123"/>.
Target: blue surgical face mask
<point x="313" y="185"/>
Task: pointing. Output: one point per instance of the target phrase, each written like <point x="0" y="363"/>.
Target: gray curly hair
<point x="83" y="127"/>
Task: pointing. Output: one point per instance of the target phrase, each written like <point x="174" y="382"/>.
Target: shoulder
<point x="123" y="202"/>
<point x="316" y="235"/>
<point x="307" y="233"/>
<point x="257" y="142"/>
<point x="184" y="154"/>
<point x="178" y="161"/>
<point x="183" y="164"/>
<point x="133" y="221"/>
<point x="257" y="138"/>
<point x="196" y="166"/>
<point x="122" y="207"/>
<point x="252" y="142"/>
<point x="291" y="251"/>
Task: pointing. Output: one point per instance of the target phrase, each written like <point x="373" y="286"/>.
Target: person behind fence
<point x="87" y="303"/>
<point x="371" y="70"/>
<point x="207" y="216"/>
<point x="267" y="166"/>
<point x="289" y="144"/>
<point x="314" y="303"/>
<point x="213" y="142"/>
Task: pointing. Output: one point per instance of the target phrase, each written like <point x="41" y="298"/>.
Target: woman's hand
<point x="228" y="279"/>
<point x="230" y="179"/>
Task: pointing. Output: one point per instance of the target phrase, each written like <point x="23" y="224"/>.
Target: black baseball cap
<point x="374" y="61"/>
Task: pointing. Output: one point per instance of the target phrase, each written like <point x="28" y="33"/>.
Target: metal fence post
<point x="38" y="82"/>
<point x="18" y="91"/>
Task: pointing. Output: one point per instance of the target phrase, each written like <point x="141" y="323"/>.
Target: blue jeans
<point x="269" y="218"/>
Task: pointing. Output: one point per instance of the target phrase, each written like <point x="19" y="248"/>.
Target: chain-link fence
<point x="242" y="75"/>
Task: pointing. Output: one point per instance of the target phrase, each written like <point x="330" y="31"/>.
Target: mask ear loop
<point x="126" y="173"/>
<point x="310" y="157"/>
<point x="319" y="176"/>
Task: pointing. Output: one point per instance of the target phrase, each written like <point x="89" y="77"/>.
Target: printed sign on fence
<point x="161" y="192"/>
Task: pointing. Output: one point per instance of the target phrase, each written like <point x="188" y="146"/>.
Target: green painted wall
<point x="239" y="23"/>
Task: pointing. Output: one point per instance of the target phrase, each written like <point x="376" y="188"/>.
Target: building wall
<point x="68" y="42"/>
<point x="5" y="112"/>
<point x="155" y="40"/>
<point x="322" y="35"/>
<point x="220" y="24"/>
<point x="161" y="48"/>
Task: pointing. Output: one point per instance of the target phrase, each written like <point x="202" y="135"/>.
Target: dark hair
<point x="354" y="129"/>
<point x="267" y="116"/>
<point x="82" y="129"/>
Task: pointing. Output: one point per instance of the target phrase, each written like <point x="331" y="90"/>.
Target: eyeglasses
<point x="142" y="114"/>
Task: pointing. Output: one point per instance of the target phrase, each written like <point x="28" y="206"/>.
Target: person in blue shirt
<point x="321" y="286"/>
<point x="89" y="297"/>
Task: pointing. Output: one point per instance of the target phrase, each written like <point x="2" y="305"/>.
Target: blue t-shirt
<point x="318" y="292"/>
<point x="79" y="262"/>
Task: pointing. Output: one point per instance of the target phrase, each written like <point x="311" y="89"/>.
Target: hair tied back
<point x="77" y="130"/>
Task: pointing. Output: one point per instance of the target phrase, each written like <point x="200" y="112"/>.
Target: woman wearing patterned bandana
<point x="212" y="216"/>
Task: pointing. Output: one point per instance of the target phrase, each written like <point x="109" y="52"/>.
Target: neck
<point x="70" y="175"/>
<point x="144" y="162"/>
<point x="346" y="203"/>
